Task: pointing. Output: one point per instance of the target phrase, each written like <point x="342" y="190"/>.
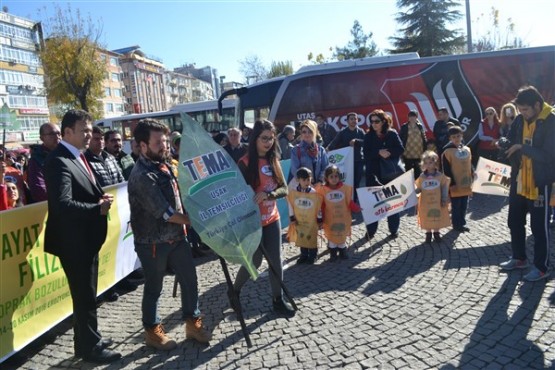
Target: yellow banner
<point x="34" y="293"/>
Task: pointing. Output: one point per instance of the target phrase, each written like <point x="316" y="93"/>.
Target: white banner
<point x="492" y="178"/>
<point x="344" y="158"/>
<point x="378" y="202"/>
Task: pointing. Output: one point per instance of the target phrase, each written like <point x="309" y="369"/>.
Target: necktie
<point x="82" y="156"/>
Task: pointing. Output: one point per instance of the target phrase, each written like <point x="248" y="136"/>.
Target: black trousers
<point x="413" y="164"/>
<point x="519" y="206"/>
<point x="82" y="276"/>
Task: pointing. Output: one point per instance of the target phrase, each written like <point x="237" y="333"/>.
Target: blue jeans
<point x="458" y="211"/>
<point x="155" y="259"/>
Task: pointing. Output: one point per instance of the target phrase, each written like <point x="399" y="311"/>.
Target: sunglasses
<point x="266" y="139"/>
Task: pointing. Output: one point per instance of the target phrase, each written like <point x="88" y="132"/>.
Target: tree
<point x="71" y="61"/>
<point x="280" y="69"/>
<point x="426" y="29"/>
<point x="252" y="69"/>
<point x="499" y="35"/>
<point x="360" y="46"/>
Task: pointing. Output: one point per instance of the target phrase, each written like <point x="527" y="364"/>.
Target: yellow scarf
<point x="526" y="186"/>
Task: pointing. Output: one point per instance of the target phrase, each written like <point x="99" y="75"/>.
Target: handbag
<point x="391" y="168"/>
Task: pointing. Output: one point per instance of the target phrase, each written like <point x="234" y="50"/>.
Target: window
<point x="109" y="107"/>
<point x="118" y="107"/>
<point x="117" y="93"/>
<point x="113" y="61"/>
<point x="103" y="58"/>
<point x="115" y="76"/>
<point x="107" y="91"/>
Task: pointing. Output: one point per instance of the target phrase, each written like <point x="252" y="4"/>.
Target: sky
<point x="222" y="33"/>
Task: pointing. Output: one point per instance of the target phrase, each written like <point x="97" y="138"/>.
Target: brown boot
<point x="195" y="330"/>
<point x="156" y="337"/>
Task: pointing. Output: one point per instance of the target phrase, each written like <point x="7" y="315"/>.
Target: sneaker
<point x="513" y="263"/>
<point x="535" y="274"/>
<point x="157" y="338"/>
<point x="428" y="238"/>
<point x="343" y="253"/>
<point x="311" y="260"/>
<point x="394" y="235"/>
<point x="333" y="254"/>
<point x="195" y="330"/>
<point x="437" y="237"/>
<point x="282" y="307"/>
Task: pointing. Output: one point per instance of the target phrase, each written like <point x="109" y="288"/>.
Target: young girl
<point x="305" y="215"/>
<point x="337" y="208"/>
<point x="433" y="187"/>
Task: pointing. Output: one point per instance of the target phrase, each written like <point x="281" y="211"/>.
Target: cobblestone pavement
<point x="393" y="304"/>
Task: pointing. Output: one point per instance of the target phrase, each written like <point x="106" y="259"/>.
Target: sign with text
<point x="378" y="202"/>
<point x="492" y="178"/>
<point x="217" y="198"/>
<point x="34" y="292"/>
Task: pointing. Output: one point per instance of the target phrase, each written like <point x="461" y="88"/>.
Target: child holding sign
<point x="433" y="187"/>
<point x="305" y="216"/>
<point x="457" y="165"/>
<point x="337" y="208"/>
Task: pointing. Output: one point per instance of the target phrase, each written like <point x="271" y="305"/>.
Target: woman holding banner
<point x="262" y="171"/>
<point x="382" y="149"/>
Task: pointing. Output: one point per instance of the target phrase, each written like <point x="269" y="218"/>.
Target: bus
<point x="465" y="84"/>
<point x="205" y="113"/>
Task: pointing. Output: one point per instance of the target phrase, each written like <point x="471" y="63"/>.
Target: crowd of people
<point x="76" y="160"/>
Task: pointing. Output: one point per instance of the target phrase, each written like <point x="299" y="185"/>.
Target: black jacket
<point x="372" y="145"/>
<point x="74" y="227"/>
<point x="541" y="150"/>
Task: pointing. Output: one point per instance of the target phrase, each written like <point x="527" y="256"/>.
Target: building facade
<point x="184" y="88"/>
<point x="113" y="102"/>
<point x="143" y="78"/>
<point x="23" y="103"/>
<point x="206" y="74"/>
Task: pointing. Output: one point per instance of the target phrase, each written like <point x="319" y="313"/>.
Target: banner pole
<point x="239" y="311"/>
<point x="283" y="287"/>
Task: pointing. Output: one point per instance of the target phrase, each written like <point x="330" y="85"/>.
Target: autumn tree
<point x="71" y="61"/>
<point x="360" y="46"/>
<point x="280" y="69"/>
<point x="500" y="33"/>
<point x="253" y="69"/>
<point x="426" y="27"/>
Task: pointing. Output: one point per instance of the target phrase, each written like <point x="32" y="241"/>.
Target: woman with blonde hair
<point x="508" y="115"/>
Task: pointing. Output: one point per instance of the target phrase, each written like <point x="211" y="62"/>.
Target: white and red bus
<point x="465" y="84"/>
<point x="205" y="113"/>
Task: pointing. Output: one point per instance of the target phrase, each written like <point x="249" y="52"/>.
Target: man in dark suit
<point x="76" y="229"/>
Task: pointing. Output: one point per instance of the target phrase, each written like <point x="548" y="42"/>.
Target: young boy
<point x="305" y="216"/>
<point x="456" y="161"/>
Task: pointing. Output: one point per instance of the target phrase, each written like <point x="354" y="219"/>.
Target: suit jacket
<point x="74" y="226"/>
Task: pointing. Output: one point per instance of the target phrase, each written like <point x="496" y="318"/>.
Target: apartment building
<point x="143" y="78"/>
<point x="113" y="102"/>
<point x="22" y="93"/>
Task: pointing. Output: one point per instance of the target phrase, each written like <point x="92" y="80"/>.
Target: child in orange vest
<point x="433" y="186"/>
<point x="337" y="208"/>
<point x="305" y="216"/>
<point x="457" y="165"/>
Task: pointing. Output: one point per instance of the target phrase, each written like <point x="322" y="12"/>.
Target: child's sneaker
<point x="343" y="253"/>
<point x="333" y="254"/>
<point x="437" y="237"/>
<point x="428" y="238"/>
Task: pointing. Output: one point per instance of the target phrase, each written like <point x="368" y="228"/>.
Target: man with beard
<point x="157" y="220"/>
<point x="50" y="135"/>
<point x="113" y="142"/>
